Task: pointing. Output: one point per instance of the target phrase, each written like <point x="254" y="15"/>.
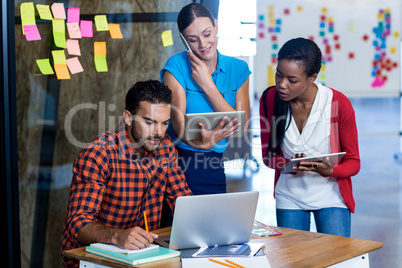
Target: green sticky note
<point x="44" y="12"/>
<point x="59" y="33"/>
<point x="101" y="23"/>
<point x="100" y="64"/>
<point x="59" y="57"/>
<point x="44" y="66"/>
<point x="27" y="12"/>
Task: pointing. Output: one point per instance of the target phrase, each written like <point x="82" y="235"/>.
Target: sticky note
<point x="74" y="30"/>
<point x="27" y="12"/>
<point x="73" y="47"/>
<point x="44" y="12"/>
<point x="167" y="39"/>
<point x="59" y="33"/>
<point x="271" y="75"/>
<point x="61" y="71"/>
<point x="101" y="23"/>
<point x="100" y="56"/>
<point x="31" y="32"/>
<point x="58" y="11"/>
<point x="86" y="28"/>
<point x="74" y="65"/>
<point x="73" y="14"/>
<point x="115" y="31"/>
<point x="44" y="66"/>
<point x="59" y="57"/>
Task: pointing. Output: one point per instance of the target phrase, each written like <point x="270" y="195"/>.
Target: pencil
<point x="238" y="265"/>
<point x="222" y="263"/>
<point x="146" y="222"/>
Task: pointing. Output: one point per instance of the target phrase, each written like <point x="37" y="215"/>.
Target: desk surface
<point x="292" y="249"/>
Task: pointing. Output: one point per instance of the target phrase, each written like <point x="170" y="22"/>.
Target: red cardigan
<point x="343" y="138"/>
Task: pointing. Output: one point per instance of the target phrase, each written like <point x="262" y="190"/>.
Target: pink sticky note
<point x="73" y="14"/>
<point x="86" y="28"/>
<point x="31" y="32"/>
<point x="73" y="47"/>
<point x="58" y="11"/>
<point x="74" y="65"/>
<point x="73" y="29"/>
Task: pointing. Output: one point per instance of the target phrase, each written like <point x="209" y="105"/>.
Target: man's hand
<point x="134" y="238"/>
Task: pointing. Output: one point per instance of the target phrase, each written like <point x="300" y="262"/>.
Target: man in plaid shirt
<point x="122" y="173"/>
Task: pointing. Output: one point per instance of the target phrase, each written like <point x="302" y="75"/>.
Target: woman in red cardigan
<point x="301" y="117"/>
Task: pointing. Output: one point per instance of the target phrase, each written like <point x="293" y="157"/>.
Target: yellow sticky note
<point x="59" y="33"/>
<point x="352" y="26"/>
<point x="393" y="50"/>
<point x="101" y="23"/>
<point x="396" y="34"/>
<point x="62" y="71"/>
<point x="44" y="12"/>
<point x="167" y="39"/>
<point x="27" y="11"/>
<point x="59" y="57"/>
<point x="299" y="9"/>
<point x="100" y="49"/>
<point x="44" y="66"/>
<point x="271" y="75"/>
<point x="115" y="31"/>
<point x="100" y="64"/>
<point x="324" y="10"/>
<point x="74" y="65"/>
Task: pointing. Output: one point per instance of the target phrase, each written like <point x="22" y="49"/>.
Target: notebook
<point x="209" y="220"/>
<point x="156" y="254"/>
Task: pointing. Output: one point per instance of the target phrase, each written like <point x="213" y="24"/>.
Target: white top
<point x="309" y="190"/>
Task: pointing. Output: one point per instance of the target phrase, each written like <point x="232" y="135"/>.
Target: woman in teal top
<point x="204" y="81"/>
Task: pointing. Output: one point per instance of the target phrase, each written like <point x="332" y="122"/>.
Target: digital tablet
<point x="333" y="159"/>
<point x="211" y="120"/>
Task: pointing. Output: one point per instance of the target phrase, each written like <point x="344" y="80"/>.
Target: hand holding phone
<point x="185" y="42"/>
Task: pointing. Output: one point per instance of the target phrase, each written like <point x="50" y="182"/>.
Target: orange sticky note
<point x="100" y="49"/>
<point x="74" y="65"/>
<point x="62" y="71"/>
<point x="115" y="31"/>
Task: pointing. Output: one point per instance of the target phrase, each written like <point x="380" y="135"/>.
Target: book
<point x="121" y="250"/>
<point x="261" y="230"/>
<point x="160" y="253"/>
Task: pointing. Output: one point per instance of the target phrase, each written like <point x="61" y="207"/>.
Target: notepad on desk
<point x="153" y="254"/>
<point x="260" y="261"/>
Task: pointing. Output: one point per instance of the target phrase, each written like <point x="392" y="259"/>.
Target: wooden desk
<point x="292" y="249"/>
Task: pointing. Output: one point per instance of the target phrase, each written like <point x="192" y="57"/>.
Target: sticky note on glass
<point x="167" y="39"/>
<point x="27" y="12"/>
<point x="44" y="66"/>
<point x="115" y="31"/>
<point x="101" y="23"/>
<point x="73" y="47"/>
<point x="31" y="32"/>
<point x="58" y="11"/>
<point x="73" y="14"/>
<point x="60" y="64"/>
<point x="86" y="28"/>
<point x="74" y="30"/>
<point x="74" y="65"/>
<point x="44" y="12"/>
<point x="100" y="57"/>
<point x="59" y="33"/>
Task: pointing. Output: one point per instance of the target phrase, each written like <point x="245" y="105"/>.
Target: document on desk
<point x="260" y="261"/>
<point x="239" y="250"/>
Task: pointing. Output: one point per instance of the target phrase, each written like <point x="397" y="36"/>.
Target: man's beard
<point x="141" y="141"/>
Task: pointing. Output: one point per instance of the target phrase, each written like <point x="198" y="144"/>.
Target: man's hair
<point x="152" y="91"/>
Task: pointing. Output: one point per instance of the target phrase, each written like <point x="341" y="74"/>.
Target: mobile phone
<point x="185" y="42"/>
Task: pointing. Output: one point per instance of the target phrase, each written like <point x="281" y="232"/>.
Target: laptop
<point x="211" y="120"/>
<point x="210" y="220"/>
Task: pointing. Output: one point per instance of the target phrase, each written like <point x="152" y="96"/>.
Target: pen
<point x="228" y="265"/>
<point x="146" y="222"/>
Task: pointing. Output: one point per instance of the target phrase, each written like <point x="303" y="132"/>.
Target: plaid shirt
<point x="112" y="184"/>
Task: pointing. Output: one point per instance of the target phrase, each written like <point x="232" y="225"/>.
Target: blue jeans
<point x="334" y="220"/>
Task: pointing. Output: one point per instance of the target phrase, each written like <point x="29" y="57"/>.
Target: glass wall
<point x="57" y="117"/>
